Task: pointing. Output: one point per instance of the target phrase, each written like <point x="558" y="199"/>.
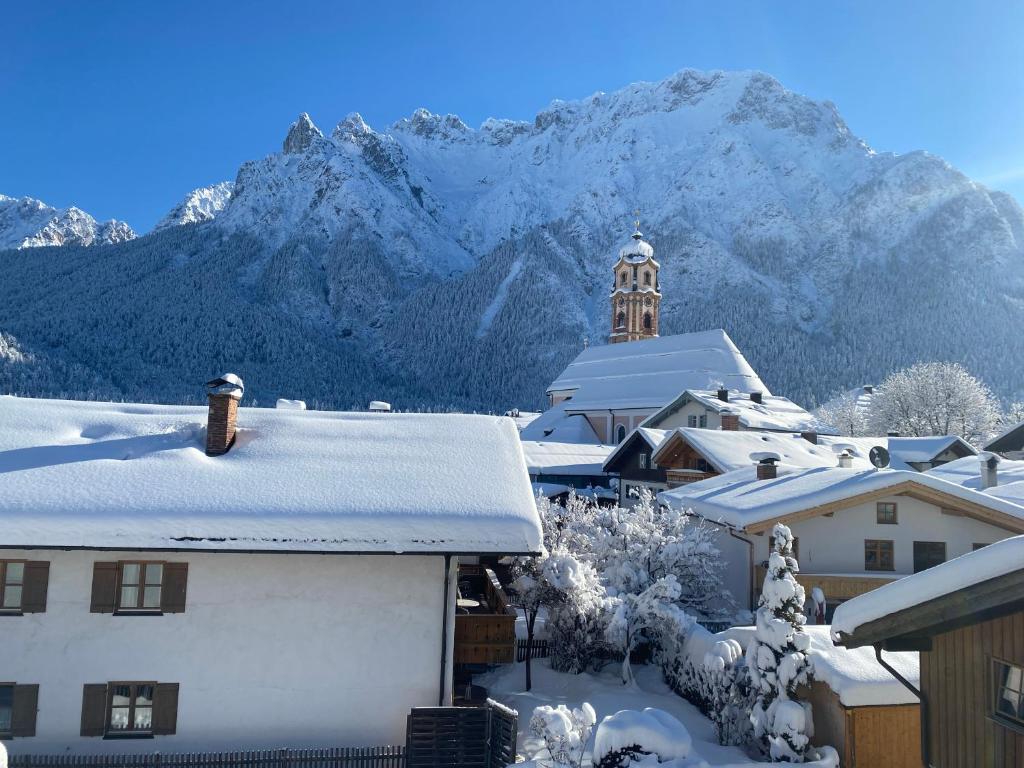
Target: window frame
<point x="140" y="585"/>
<point x="995" y="691"/>
<point x="9" y="733"/>
<point x="878" y="553"/>
<point x="643" y="460"/>
<point x="691" y="421"/>
<point x="895" y="513"/>
<point x="945" y="554"/>
<point x="16" y="609"/>
<point x="133" y="733"/>
<point x="620" y="433"/>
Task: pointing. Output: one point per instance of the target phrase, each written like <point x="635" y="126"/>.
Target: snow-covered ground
<point x="606" y="693"/>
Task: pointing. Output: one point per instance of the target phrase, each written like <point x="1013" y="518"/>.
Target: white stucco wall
<point x="836" y="544"/>
<point x="271" y="651"/>
<point x="680" y="418"/>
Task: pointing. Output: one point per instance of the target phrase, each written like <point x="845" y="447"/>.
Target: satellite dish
<point x="879" y="457"/>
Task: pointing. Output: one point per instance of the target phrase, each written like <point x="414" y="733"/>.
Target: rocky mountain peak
<point x="301" y="134"/>
<point x="29" y="223"/>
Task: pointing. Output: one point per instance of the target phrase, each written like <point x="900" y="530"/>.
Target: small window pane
<point x="12" y="597"/>
<point x="129" y="597"/>
<point x="130" y="573"/>
<point x="1009" y="703"/>
<point x="143" y="718"/>
<point x="154" y="574"/>
<point x="6" y="706"/>
<point x="119" y="718"/>
<point x="15" y="573"/>
<point x="151" y="597"/>
<point x="121" y="696"/>
<point x="144" y="695"/>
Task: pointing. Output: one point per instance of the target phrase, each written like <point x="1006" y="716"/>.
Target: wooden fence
<point x="540" y="649"/>
<point x="340" y="757"/>
<point x="467" y="737"/>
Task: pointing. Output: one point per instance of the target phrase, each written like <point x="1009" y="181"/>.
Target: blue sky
<point x="122" y="108"/>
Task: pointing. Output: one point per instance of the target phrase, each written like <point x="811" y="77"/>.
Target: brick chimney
<point x="723" y="394"/>
<point x="223" y="394"/>
<point x="989" y="472"/>
<point x="845" y="460"/>
<point x="766" y="469"/>
<point x="730" y="421"/>
<point x="810" y="437"/>
<point x="757" y="397"/>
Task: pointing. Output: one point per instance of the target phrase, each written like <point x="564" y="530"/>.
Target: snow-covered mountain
<point x="433" y="263"/>
<point x="200" y="205"/>
<point x="30" y="223"/>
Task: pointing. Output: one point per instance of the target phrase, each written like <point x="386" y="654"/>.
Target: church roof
<point x="636" y="248"/>
<point x="652" y="372"/>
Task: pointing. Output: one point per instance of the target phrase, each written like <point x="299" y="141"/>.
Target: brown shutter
<point x="165" y="709"/>
<point x="104" y="587"/>
<point x="172" y="596"/>
<point x="23" y="713"/>
<point x="94" y="709"/>
<point x="36" y="582"/>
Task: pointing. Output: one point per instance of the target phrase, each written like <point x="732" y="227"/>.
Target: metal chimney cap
<point x="226" y="384"/>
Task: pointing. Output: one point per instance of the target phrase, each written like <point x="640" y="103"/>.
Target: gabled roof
<point x="774" y="413"/>
<point x="1011" y="439"/>
<point x="981" y="584"/>
<point x="967" y="472"/>
<point x="917" y="450"/>
<point x="651" y="372"/>
<point x="125" y="476"/>
<point x="727" y="450"/>
<point x="554" y="425"/>
<point x="544" y="457"/>
<point x="650" y="437"/>
<point x="742" y="501"/>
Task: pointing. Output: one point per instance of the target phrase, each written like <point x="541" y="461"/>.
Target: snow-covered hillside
<point x="433" y="263"/>
<point x="199" y="205"/>
<point x="30" y="223"/>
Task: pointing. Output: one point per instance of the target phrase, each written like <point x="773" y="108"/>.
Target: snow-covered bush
<point x="577" y="620"/>
<point x="777" y="657"/>
<point x="559" y="736"/>
<point x="628" y="734"/>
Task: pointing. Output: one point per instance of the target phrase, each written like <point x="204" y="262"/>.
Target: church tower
<point x="636" y="295"/>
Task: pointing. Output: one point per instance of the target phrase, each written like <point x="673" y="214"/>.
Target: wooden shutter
<point x="104" y="587"/>
<point x="36" y="582"/>
<point x="94" y="709"/>
<point x="172" y="596"/>
<point x="23" y="713"/>
<point x="165" y="709"/>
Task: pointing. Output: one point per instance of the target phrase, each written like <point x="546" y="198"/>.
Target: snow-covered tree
<point x="845" y="414"/>
<point x="576" y="621"/>
<point x="777" y="657"/>
<point x="559" y="735"/>
<point x="934" y="399"/>
<point x="1012" y="416"/>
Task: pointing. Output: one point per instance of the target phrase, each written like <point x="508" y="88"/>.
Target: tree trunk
<point x="531" y="616"/>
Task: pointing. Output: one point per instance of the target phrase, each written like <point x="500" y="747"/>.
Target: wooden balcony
<point x="485" y="633"/>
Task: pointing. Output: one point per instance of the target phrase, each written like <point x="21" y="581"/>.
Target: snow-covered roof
<point x="739" y="499"/>
<point x="907" y="450"/>
<point x="126" y="476"/>
<point x="1010" y="439"/>
<point x="855" y="675"/>
<point x="775" y="413"/>
<point x="545" y="457"/>
<point x="652" y="437"/>
<point x="992" y="561"/>
<point x="651" y="372"/>
<point x="637" y="247"/>
<point x="728" y="450"/>
<point x="967" y="472"/>
<point x="555" y="426"/>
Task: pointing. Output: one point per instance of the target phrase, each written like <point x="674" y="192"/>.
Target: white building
<point x="855" y="529"/>
<point x="729" y="410"/>
<point x="295" y="589"/>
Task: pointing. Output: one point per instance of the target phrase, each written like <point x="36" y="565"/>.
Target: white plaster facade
<point x="272" y="650"/>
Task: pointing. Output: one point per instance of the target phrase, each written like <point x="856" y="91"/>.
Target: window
<point x="130" y="709"/>
<point x="878" y="555"/>
<point x="140" y="586"/>
<point x="643" y="461"/>
<point x="976" y="546"/>
<point x="885" y="512"/>
<point x="12" y="580"/>
<point x="703" y="421"/>
<point x="620" y="433"/>
<point x="647" y="278"/>
<point x="928" y="554"/>
<point x="620" y="320"/>
<point x="1008" y="706"/>
<point x="6" y="709"/>
<point x="622" y="279"/>
<point x="647" y="321"/>
<point x="691" y="421"/>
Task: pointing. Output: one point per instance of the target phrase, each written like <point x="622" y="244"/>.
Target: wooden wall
<point x="956" y="677"/>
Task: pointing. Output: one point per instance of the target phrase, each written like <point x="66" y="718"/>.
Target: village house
<point x="855" y="529"/>
<point x="966" y="619"/>
<point x="1009" y="443"/>
<point x="192" y="579"/>
<point x="723" y="409"/>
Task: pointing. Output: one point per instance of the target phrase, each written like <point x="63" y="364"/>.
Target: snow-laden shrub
<point x="577" y="621"/>
<point x="628" y="734"/>
<point x="559" y="736"/>
<point x="777" y="657"/>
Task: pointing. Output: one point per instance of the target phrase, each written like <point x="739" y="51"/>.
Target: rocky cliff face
<point x="460" y="266"/>
<point x="30" y="223"/>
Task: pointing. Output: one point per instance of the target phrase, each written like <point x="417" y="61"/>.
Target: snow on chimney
<point x="723" y="394"/>
<point x="223" y="394"/>
<point x="766" y="469"/>
<point x="757" y="397"/>
<point x="989" y="473"/>
<point x="846" y="460"/>
<point x="379" y="406"/>
<point x="730" y="421"/>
